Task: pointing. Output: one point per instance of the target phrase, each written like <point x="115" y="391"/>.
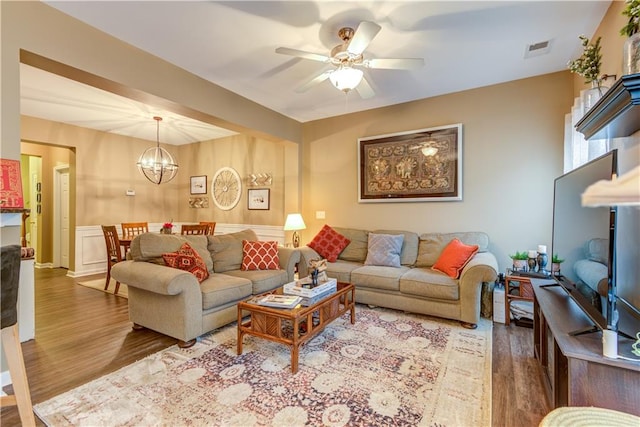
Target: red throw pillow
<point x="187" y="259"/>
<point x="329" y="243"/>
<point x="454" y="257"/>
<point x="260" y="256"/>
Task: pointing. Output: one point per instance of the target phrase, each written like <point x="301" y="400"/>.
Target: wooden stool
<point x="10" y="259"/>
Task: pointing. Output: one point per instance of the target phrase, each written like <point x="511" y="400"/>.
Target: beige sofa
<point x="173" y="302"/>
<point x="413" y="286"/>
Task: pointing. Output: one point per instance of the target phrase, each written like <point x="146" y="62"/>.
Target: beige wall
<point x="611" y="44"/>
<point x="512" y="151"/>
<point x="104" y="168"/>
<point x="51" y="156"/>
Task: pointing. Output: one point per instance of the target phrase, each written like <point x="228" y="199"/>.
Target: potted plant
<point x="519" y="260"/>
<point x="588" y="66"/>
<point x="631" y="49"/>
<point x="555" y="264"/>
<point x="167" y="227"/>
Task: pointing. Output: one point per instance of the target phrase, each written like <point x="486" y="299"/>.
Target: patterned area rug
<point x="98" y="284"/>
<point x="388" y="369"/>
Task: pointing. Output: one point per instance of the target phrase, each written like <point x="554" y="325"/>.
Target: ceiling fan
<point x="348" y="58"/>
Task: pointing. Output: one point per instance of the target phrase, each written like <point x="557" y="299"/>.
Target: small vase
<point x="519" y="264"/>
<point x="165" y="230"/>
<point x="631" y="55"/>
<point x="592" y="95"/>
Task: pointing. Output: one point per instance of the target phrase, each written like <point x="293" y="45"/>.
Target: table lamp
<point x="621" y="191"/>
<point x="294" y="223"/>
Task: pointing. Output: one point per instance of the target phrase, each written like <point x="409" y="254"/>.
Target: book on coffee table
<point x="279" y="301"/>
<point x="302" y="288"/>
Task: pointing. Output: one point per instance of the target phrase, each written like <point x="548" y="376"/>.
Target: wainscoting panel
<point x="91" y="253"/>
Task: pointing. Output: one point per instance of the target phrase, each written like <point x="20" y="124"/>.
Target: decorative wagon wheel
<point x="226" y="188"/>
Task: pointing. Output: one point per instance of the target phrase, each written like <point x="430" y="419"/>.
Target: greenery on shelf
<point x="633" y="12"/>
<point x="556" y="259"/>
<point x="520" y="255"/>
<point x="588" y="65"/>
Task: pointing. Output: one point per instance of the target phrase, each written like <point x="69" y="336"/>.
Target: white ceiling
<point x="232" y="44"/>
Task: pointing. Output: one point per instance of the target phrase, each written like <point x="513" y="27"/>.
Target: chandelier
<point x="156" y="164"/>
<point x="346" y="78"/>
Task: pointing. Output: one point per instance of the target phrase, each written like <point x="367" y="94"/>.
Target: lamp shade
<point x="346" y="78"/>
<point x="294" y="222"/>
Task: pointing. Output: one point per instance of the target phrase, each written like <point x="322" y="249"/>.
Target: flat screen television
<point x="590" y="239"/>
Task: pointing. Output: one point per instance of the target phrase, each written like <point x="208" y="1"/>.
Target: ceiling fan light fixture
<point x="156" y="163"/>
<point x="346" y="78"/>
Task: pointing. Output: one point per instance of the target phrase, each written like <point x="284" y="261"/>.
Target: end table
<point x="516" y="288"/>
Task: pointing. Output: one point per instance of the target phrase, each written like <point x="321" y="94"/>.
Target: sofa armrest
<point x="483" y="267"/>
<point x="306" y="255"/>
<point x="289" y="258"/>
<point x="155" y="278"/>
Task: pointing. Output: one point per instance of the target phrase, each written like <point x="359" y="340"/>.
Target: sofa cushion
<point x="409" y="245"/>
<point x="262" y="280"/>
<point x="384" y="249"/>
<point x="187" y="259"/>
<point x="226" y="249"/>
<point x="597" y="250"/>
<point x="149" y="247"/>
<point x="377" y="277"/>
<point x="328" y="243"/>
<point x="341" y="270"/>
<point x="260" y="255"/>
<point x="454" y="257"/>
<point x="427" y="283"/>
<point x="220" y="289"/>
<point x="356" y="250"/>
<point x="432" y="244"/>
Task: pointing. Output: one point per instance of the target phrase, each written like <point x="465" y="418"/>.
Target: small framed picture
<point x="199" y="184"/>
<point x="258" y="199"/>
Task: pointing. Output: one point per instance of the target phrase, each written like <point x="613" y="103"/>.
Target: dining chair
<point x="9" y="283"/>
<point x="211" y="227"/>
<point x="134" y="228"/>
<point x="114" y="255"/>
<point x="194" y="229"/>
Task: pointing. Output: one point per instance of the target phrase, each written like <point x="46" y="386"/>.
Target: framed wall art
<point x="199" y="184"/>
<point x="258" y="199"/>
<point x="423" y="165"/>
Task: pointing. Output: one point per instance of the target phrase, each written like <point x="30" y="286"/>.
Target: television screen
<point x="581" y="237"/>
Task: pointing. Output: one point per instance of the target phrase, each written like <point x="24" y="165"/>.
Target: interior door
<point x="61" y="219"/>
<point x="64" y="219"/>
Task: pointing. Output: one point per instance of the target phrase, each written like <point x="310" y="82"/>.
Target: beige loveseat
<point x="173" y="302"/>
<point x="414" y="286"/>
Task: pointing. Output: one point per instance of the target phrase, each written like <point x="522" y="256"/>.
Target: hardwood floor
<point x="82" y="334"/>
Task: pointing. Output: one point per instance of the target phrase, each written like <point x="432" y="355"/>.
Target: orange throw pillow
<point x="260" y="256"/>
<point x="187" y="259"/>
<point x="454" y="257"/>
<point x="329" y="243"/>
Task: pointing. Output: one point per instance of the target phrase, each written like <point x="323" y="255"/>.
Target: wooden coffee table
<point x="286" y="326"/>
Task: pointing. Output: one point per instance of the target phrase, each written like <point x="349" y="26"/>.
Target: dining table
<point x="125" y="242"/>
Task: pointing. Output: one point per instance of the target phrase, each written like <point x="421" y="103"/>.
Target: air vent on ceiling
<point x="537" y="49"/>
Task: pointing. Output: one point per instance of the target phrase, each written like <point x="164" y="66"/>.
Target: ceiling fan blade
<point x="394" y="63"/>
<point x="303" y="54"/>
<point x="364" y="89"/>
<point x="364" y="34"/>
<point x="316" y="80"/>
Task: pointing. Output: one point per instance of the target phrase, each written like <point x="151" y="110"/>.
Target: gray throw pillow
<point x="384" y="249"/>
